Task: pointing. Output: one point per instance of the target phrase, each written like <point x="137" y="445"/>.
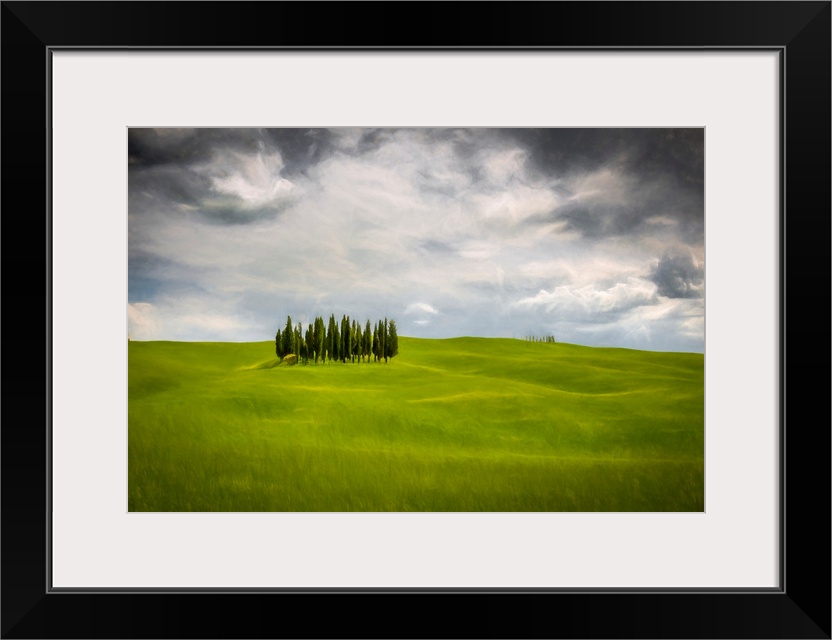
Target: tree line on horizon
<point x="344" y="341"/>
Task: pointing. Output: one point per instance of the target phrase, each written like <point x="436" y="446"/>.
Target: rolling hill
<point x="462" y="424"/>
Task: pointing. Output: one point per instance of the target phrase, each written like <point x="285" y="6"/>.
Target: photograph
<point x="416" y="319"/>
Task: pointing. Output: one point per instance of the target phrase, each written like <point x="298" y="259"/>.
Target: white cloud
<point x="254" y="179"/>
<point x="478" y="250"/>
<point x="589" y="301"/>
<point x="420" y="308"/>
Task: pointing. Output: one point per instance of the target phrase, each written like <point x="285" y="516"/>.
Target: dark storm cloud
<point x="228" y="212"/>
<point x="166" y="183"/>
<point x="178" y="190"/>
<point x="300" y="148"/>
<point x="297" y="147"/>
<point x="568" y="151"/>
<point x="595" y="220"/>
<point x="678" y="276"/>
<point x="642" y="206"/>
<point x="148" y="147"/>
<point x="675" y="155"/>
<point x="178" y="170"/>
<point x="371" y="139"/>
<point x="660" y="174"/>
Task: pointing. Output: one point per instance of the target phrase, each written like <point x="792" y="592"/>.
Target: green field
<point x="464" y="424"/>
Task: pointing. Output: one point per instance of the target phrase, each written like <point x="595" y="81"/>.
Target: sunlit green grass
<point x="466" y="424"/>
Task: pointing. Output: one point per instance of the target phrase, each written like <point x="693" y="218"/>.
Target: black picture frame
<point x="799" y="608"/>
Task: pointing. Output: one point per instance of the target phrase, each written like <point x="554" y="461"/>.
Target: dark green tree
<point x="346" y="347"/>
<point x="344" y="340"/>
<point x="329" y="336"/>
<point x="313" y="341"/>
<point x="356" y="341"/>
<point x="320" y="336"/>
<point x="336" y="341"/>
<point x="309" y="344"/>
<point x="288" y="338"/>
<point x="367" y="341"/>
<point x="392" y="340"/>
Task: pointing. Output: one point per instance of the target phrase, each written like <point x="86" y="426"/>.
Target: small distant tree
<point x="278" y="345"/>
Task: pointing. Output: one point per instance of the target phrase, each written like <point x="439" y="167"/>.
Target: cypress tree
<point x="278" y="345"/>
<point x="348" y="340"/>
<point x="309" y="343"/>
<point x="345" y="338"/>
<point x="288" y="338"/>
<point x="341" y="341"/>
<point x="333" y="339"/>
<point x="311" y="346"/>
<point x="392" y="340"/>
<point x="320" y="333"/>
<point x="318" y="340"/>
<point x="336" y="340"/>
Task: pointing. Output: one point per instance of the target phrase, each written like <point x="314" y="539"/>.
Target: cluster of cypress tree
<point x="345" y="341"/>
<point x="550" y="339"/>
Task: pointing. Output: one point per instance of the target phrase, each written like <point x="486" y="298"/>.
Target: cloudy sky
<point x="594" y="236"/>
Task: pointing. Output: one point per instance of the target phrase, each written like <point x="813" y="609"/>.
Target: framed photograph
<point x="470" y="249"/>
<point x="542" y="184"/>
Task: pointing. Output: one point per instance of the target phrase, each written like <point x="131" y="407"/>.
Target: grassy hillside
<point x="465" y="424"/>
